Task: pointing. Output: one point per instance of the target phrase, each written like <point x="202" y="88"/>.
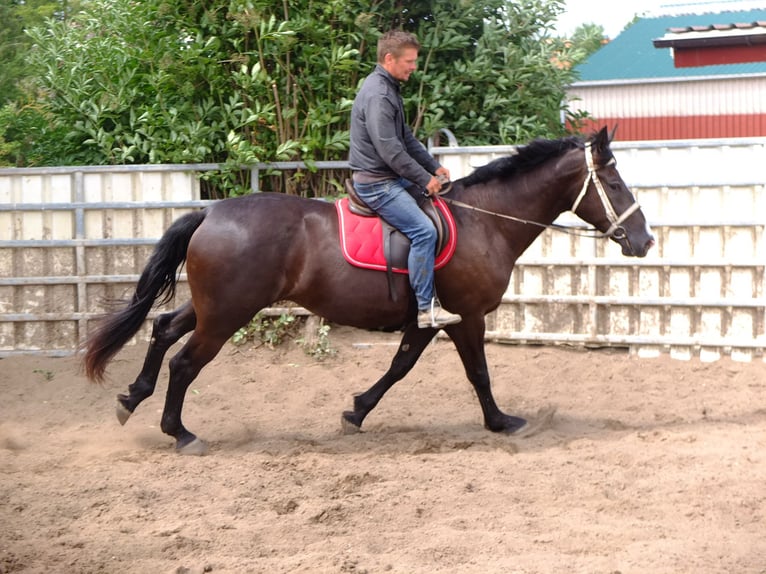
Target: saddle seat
<point x="399" y="244"/>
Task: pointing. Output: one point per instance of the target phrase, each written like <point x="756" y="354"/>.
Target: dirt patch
<point x="649" y="465"/>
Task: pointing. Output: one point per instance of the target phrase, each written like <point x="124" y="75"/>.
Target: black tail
<point x="156" y="285"/>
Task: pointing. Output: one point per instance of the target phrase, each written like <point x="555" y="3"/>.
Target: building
<point x="679" y="77"/>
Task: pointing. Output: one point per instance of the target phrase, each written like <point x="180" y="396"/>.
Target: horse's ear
<point x="601" y="139"/>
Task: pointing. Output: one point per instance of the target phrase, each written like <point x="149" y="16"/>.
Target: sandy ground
<point x="649" y="466"/>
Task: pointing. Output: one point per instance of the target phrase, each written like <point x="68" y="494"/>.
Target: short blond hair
<point x="394" y="42"/>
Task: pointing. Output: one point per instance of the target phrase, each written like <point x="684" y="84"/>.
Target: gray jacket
<point x="381" y="143"/>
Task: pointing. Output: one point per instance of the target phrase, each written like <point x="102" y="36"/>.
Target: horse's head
<point x="605" y="201"/>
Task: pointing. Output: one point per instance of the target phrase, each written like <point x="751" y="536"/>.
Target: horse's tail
<point x="157" y="284"/>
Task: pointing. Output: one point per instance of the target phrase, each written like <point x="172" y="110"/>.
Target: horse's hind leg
<point x="413" y="343"/>
<point x="198" y="351"/>
<point x="166" y="330"/>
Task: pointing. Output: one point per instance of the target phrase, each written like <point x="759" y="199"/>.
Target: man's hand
<point x="438" y="181"/>
<point x="434" y="185"/>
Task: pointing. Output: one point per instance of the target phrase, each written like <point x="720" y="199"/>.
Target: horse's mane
<point x="528" y="157"/>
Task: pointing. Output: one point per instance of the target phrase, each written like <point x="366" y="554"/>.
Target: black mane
<point x="528" y="157"/>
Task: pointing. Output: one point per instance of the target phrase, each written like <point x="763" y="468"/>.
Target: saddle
<point x="370" y="242"/>
<point x="399" y="245"/>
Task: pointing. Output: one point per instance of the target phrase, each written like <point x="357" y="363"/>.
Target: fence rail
<point x="73" y="236"/>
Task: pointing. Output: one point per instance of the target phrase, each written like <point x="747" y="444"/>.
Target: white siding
<point x="658" y="99"/>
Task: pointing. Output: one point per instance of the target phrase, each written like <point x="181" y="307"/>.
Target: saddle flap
<point x="437" y="218"/>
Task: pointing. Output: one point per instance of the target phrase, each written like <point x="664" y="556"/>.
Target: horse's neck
<point x="536" y="200"/>
<point x="523" y="197"/>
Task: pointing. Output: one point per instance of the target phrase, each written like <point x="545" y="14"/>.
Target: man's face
<point x="402" y="67"/>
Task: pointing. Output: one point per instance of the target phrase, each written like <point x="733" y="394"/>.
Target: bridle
<point x="615" y="229"/>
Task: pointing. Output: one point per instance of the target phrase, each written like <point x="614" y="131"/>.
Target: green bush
<point x="239" y="82"/>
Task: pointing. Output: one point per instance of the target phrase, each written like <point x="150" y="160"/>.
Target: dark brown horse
<point x="244" y="254"/>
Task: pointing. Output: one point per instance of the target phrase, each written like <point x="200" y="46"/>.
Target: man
<point x="386" y="158"/>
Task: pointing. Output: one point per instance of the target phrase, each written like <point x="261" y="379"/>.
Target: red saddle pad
<point x="361" y="238"/>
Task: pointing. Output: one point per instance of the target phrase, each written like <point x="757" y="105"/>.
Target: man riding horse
<point x="387" y="159"/>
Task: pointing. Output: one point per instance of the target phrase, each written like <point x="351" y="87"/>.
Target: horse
<point x="246" y="253"/>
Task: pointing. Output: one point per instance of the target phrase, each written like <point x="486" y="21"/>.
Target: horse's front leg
<point x="411" y="347"/>
<point x="468" y="336"/>
<point x="167" y="329"/>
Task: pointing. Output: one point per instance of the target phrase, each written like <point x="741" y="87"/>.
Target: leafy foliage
<point x="17" y="16"/>
<point x="269" y="331"/>
<point x="587" y="39"/>
<point x="243" y="81"/>
<point x="136" y="85"/>
<point x="273" y="331"/>
<point x="11" y="34"/>
<point x="489" y="71"/>
<point x="317" y="345"/>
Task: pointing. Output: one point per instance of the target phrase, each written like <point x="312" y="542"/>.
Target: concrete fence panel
<point x="699" y="292"/>
<point x="71" y="238"/>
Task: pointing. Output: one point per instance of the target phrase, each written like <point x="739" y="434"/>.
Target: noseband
<point x="615" y="230"/>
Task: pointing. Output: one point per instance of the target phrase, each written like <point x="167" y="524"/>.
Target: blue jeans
<point x="392" y="202"/>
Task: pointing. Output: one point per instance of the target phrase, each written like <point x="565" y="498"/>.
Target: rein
<point x="554" y="226"/>
<point x="615" y="229"/>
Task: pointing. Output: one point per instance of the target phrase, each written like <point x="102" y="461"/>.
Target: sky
<point x="614" y="15"/>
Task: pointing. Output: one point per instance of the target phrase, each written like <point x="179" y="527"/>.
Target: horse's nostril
<point x="648" y="245"/>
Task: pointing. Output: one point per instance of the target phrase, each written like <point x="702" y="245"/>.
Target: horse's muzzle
<point x="639" y="250"/>
<point x="634" y="245"/>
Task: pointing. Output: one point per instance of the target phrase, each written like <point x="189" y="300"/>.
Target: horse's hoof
<point x="347" y="427"/>
<point x="123" y="414"/>
<point x="196" y="447"/>
<point x="541" y="422"/>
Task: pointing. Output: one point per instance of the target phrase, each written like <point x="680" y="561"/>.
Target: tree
<point x="21" y="123"/>
<point x="586" y="40"/>
<point x="18" y="16"/>
<point x="488" y="71"/>
<point x="164" y="81"/>
<point x="11" y="35"/>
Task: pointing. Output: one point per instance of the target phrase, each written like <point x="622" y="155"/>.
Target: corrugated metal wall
<point x="682" y="127"/>
<point x="711" y="108"/>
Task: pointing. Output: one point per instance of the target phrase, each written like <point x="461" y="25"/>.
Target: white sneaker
<point x="436" y="317"/>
